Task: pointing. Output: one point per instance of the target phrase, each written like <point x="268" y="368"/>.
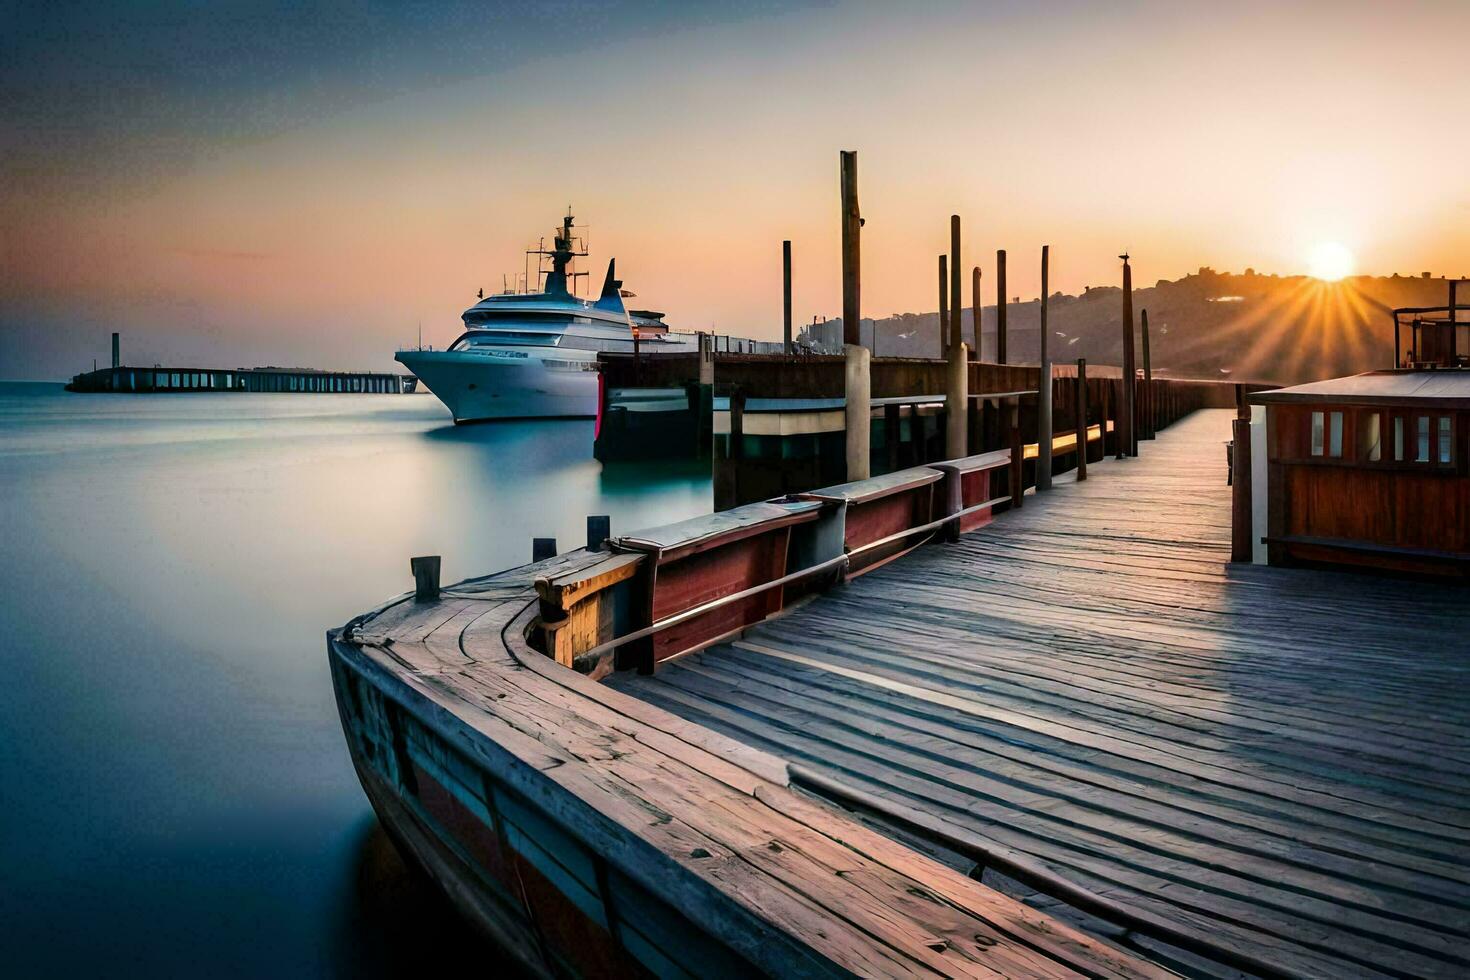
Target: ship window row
<point x="1412" y="437"/>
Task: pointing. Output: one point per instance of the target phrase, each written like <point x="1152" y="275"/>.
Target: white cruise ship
<point x="534" y="355"/>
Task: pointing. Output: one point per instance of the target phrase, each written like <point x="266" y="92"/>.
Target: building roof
<point x="1448" y="388"/>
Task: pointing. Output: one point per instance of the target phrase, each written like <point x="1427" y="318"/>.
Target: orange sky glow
<point x="1187" y="134"/>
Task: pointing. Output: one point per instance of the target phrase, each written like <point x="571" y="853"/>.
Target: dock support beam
<point x="1081" y="426"/>
<point x="857" y="380"/>
<point x="1126" y="445"/>
<point x="1044" y="424"/>
<point x="956" y="404"/>
<point x="976" y="314"/>
<point x="1149" y="416"/>
<point x="1018" y="456"/>
<point x="943" y="307"/>
<point x="1000" y="306"/>
<point x="956" y="318"/>
<point x="1240" y="490"/>
<point x="786" y="297"/>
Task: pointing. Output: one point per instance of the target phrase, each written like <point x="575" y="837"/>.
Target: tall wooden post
<point x="1150" y="418"/>
<point x="943" y="306"/>
<point x="1044" y="424"/>
<point x="956" y="334"/>
<point x="975" y="351"/>
<point x="1242" y="535"/>
<point x="1000" y="306"/>
<point x="857" y="377"/>
<point x="956" y="389"/>
<point x="786" y="297"/>
<point x="1018" y="455"/>
<point x="1081" y="423"/>
<point x="1126" y="446"/>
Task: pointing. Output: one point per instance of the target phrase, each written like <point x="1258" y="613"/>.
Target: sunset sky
<point x="239" y="183"/>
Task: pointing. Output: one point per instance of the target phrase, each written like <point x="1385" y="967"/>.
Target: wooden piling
<point x="599" y="529"/>
<point x="857" y="379"/>
<point x="975" y="300"/>
<point x="943" y="307"/>
<point x="1000" y="306"/>
<point x="786" y="297"/>
<point x="1044" y="422"/>
<point x="1241" y="535"/>
<point x="1081" y="423"/>
<point x="543" y="548"/>
<point x="956" y="403"/>
<point x="1018" y="456"/>
<point x="956" y="333"/>
<point x="425" y="578"/>
<point x="1126" y="446"/>
<point x="1149" y="414"/>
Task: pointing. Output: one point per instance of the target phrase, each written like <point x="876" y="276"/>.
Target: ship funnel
<point x="612" y="289"/>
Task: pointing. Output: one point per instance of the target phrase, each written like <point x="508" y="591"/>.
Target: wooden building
<point x="1369" y="470"/>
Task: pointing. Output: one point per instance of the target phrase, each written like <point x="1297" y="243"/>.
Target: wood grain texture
<point x="706" y="823"/>
<point x="1274" y="758"/>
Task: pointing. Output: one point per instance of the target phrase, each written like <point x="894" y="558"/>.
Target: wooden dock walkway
<point x="1273" y="760"/>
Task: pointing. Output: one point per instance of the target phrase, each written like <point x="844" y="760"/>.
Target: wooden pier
<point x="1266" y="767"/>
<point x="269" y="380"/>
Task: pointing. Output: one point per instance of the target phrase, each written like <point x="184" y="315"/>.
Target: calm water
<point x="175" y="794"/>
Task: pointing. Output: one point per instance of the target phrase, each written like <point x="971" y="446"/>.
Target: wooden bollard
<point x="425" y="578"/>
<point x="857" y="379"/>
<point x="1150" y="417"/>
<point x="543" y="548"/>
<point x="599" y="529"/>
<point x="1240" y="492"/>
<point x="976" y="316"/>
<point x="788" y="350"/>
<point x="1000" y="306"/>
<point x="1081" y="426"/>
<point x="1127" y="412"/>
<point x="1044" y="419"/>
<point x="1018" y="457"/>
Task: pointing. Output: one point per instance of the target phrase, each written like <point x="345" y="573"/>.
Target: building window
<point x="1398" y="439"/>
<point x="1446" y="444"/>
<point x="1316" y="433"/>
<point x="1334" y="440"/>
<point x="1423" y="455"/>
<point x="1370" y="445"/>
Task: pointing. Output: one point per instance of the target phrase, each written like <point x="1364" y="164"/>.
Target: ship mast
<point x="566" y="248"/>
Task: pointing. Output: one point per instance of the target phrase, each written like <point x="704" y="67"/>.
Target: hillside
<point x="1209" y="324"/>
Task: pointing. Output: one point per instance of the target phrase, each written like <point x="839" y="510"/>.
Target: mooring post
<point x="1150" y="414"/>
<point x="786" y="296"/>
<point x="975" y="314"/>
<point x="1081" y="426"/>
<point x="956" y="317"/>
<point x="956" y="403"/>
<point x="599" y="529"/>
<point x="857" y="380"/>
<point x="1126" y="445"/>
<point x="1018" y="455"/>
<point x="956" y="389"/>
<point x="1000" y="306"/>
<point x="1044" y="422"/>
<point x="543" y="548"/>
<point x="943" y="306"/>
<point x="425" y="578"/>
<point x="1241" y="533"/>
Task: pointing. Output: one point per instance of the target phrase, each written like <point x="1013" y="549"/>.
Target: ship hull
<point x="478" y="387"/>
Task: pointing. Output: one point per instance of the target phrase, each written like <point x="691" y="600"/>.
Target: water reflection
<point x="175" y="773"/>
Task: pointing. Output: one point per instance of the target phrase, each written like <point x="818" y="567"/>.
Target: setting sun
<point x="1330" y="262"/>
